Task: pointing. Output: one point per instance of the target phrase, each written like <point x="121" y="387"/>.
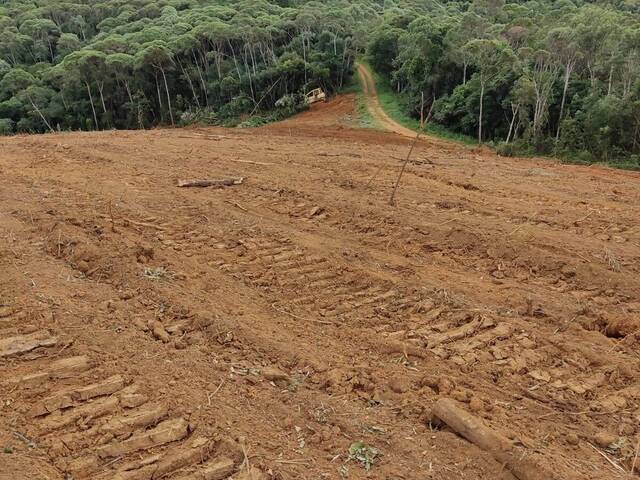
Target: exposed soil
<point x="149" y="331"/>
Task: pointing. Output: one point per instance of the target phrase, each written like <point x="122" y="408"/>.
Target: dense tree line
<point x="539" y="76"/>
<point x="89" y="64"/>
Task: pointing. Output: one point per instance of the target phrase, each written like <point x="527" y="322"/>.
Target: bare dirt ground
<point x="148" y="331"/>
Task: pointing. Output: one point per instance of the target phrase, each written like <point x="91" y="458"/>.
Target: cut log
<point x="25" y="343"/>
<point x="217" y="183"/>
<point x="520" y="462"/>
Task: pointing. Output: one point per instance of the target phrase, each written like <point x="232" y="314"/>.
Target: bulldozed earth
<point x="296" y="325"/>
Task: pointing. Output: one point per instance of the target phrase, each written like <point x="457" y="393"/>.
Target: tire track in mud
<point x="95" y="425"/>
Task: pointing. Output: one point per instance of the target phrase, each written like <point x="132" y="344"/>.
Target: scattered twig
<point x="217" y="183"/>
<point x="245" y="462"/>
<point x="415" y="140"/>
<point x="635" y="458"/>
<point x="139" y="224"/>
<point x="582" y="219"/>
<point x="322" y="322"/>
<point x="293" y="462"/>
<point x="404" y="166"/>
<point x="572" y="413"/>
<point x="374" y="176"/>
<point x="111" y="462"/>
<point x="517" y="228"/>
<point x="251" y="162"/>
<point x="606" y="457"/>
<point x="235" y="204"/>
<point x="203" y="136"/>
<point x="211" y="395"/>
<point x="142" y="224"/>
<point x="113" y="223"/>
<point x="612" y="260"/>
<point x="30" y="443"/>
<point x="448" y="221"/>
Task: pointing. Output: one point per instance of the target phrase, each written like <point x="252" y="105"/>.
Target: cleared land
<point x="150" y="331"/>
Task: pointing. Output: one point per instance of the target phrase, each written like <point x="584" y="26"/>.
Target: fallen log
<point x="218" y="183"/>
<point x="519" y="462"/>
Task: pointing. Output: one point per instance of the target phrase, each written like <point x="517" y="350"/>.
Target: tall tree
<point x="492" y="59"/>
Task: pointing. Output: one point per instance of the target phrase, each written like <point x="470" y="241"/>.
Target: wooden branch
<point x="202" y="136"/>
<point x="218" y="183"/>
<point x="251" y="162"/>
<point x="516" y="459"/>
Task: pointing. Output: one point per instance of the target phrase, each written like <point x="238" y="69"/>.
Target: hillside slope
<point x="279" y="321"/>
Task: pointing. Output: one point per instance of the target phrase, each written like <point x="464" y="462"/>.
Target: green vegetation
<point x="397" y="106"/>
<point x="84" y="64"/>
<point x="364" y="118"/>
<point x="537" y="77"/>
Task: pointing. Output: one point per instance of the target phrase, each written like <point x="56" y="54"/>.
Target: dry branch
<point x="216" y="183"/>
<point x="250" y="162"/>
<point x="202" y="136"/>
<point x="517" y="460"/>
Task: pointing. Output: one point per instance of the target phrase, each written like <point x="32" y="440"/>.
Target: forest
<point x="134" y="64"/>
<point x="542" y="76"/>
<point x="550" y="77"/>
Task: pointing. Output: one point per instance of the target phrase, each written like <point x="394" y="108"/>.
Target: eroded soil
<point x="151" y="331"/>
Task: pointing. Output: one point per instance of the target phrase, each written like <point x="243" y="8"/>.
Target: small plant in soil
<point x="363" y="454"/>
<point x="156" y="273"/>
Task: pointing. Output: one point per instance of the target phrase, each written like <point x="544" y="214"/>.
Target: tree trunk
<point x="464" y="73"/>
<point x="567" y="74"/>
<point x="202" y="82"/>
<point x="480" y="115"/>
<point x="304" y="56"/>
<point x="235" y="60"/>
<point x="422" y="111"/>
<point x="126" y="86"/>
<point x="93" y="109"/>
<point x="166" y="87"/>
<point x="188" y="77"/>
<point x="155" y="75"/>
<point x="253" y="59"/>
<point x="100" y="89"/>
<point x="514" y="112"/>
<point x="50" y="48"/>
<point x="610" y="80"/>
<point x="41" y="115"/>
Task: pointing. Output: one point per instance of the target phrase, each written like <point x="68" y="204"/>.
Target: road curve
<point x="373" y="104"/>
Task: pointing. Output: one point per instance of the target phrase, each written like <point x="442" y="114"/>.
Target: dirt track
<point x="373" y="104"/>
<point x="290" y="316"/>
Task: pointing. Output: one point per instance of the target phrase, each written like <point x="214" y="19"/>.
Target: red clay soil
<point x="258" y="331"/>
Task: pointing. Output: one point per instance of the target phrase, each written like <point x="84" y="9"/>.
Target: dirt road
<point x="149" y="331"/>
<point x="374" y="107"/>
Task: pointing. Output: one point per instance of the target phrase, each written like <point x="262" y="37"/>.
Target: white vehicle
<point x="315" y="95"/>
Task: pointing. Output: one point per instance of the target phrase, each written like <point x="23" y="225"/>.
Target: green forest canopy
<point x="539" y="76"/>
